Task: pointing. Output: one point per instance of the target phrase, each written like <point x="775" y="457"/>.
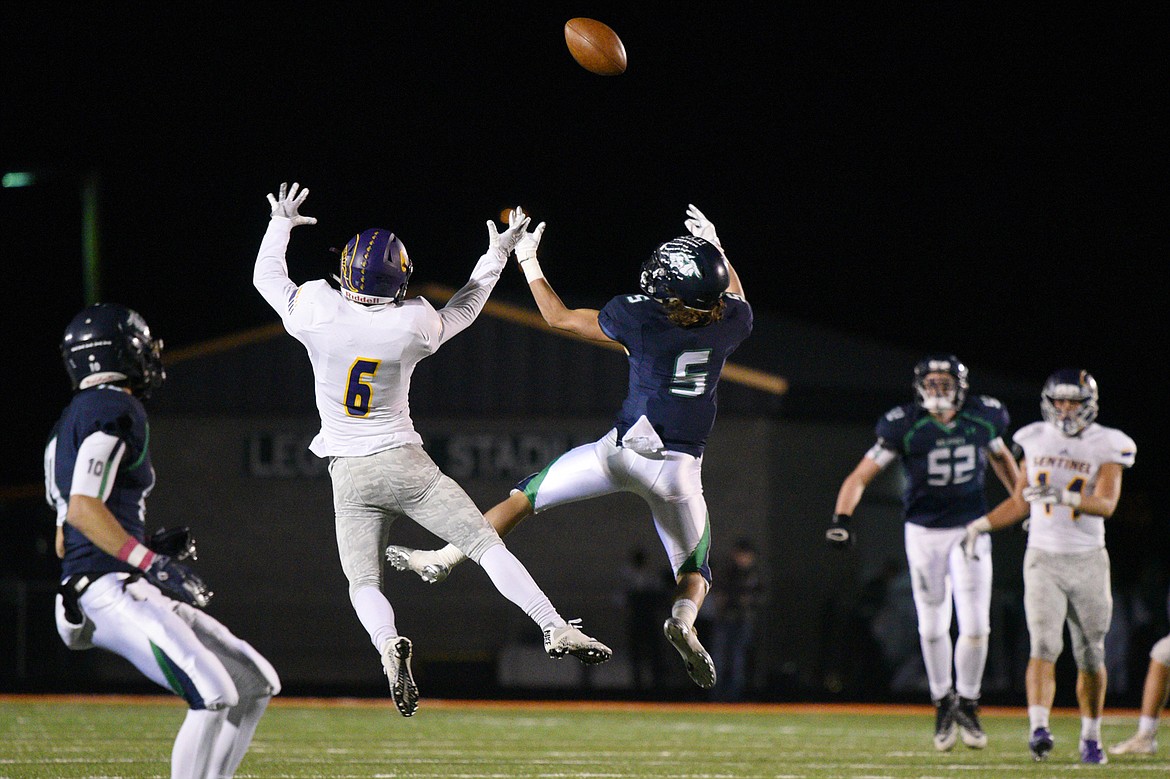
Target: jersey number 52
<point x="950" y="466"/>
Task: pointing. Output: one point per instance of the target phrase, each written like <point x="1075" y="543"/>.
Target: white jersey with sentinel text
<point x="363" y="356"/>
<point x="1071" y="463"/>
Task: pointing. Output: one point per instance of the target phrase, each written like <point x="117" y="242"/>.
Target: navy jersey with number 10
<point x="128" y="479"/>
<point x="674" y="371"/>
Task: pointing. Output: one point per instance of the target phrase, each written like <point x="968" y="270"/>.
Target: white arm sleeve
<point x="881" y="455"/>
<point x="97" y="465"/>
<point x="465" y="305"/>
<point x="270" y="276"/>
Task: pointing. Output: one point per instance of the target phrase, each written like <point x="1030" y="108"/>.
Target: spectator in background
<point x="739" y="599"/>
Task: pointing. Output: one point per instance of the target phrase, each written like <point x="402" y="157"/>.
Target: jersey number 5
<point x="690" y="373"/>
<point x="358" y="391"/>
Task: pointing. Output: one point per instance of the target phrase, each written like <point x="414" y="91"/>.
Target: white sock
<point x="376" y="615"/>
<point x="1148" y="725"/>
<point x="191" y="754"/>
<point x="449" y="556"/>
<point x="517" y="585"/>
<point x="236" y="736"/>
<point x="1038" y="716"/>
<point x="970" y="659"/>
<point x="1090" y="728"/>
<point x="936" y="656"/>
<point x="685" y="611"/>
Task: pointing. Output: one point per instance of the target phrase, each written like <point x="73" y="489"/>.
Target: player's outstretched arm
<point x="467" y="303"/>
<point x="579" y="321"/>
<point x="270" y="275"/>
<point x="701" y="227"/>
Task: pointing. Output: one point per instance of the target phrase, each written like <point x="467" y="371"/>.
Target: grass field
<point x="73" y="737"/>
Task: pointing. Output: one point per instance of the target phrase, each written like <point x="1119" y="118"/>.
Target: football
<point x="595" y="46"/>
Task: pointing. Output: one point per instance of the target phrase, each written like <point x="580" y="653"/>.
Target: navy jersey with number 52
<point x="674" y="371"/>
<point x="945" y="465"/>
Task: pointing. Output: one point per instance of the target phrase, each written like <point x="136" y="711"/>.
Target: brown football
<point x="595" y="46"/>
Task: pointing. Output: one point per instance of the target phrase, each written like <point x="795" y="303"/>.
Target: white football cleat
<point x="1138" y="744"/>
<point x="424" y="562"/>
<point x="699" y="664"/>
<point x="569" y="640"/>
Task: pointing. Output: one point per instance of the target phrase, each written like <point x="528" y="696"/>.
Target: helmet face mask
<point x="1070" y="400"/>
<point x="940" y="383"/>
<point x="375" y="268"/>
<point x="108" y="344"/>
<point x="686" y="268"/>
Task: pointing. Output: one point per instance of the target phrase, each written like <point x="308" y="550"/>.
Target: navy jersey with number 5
<point x="945" y="465"/>
<point x="128" y="475"/>
<point x="674" y="371"/>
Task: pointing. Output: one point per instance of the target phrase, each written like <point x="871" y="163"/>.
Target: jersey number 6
<point x="358" y="393"/>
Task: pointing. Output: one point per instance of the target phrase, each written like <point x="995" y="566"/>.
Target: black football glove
<point x="177" y="543"/>
<point x="178" y="581"/>
<point x="839" y="534"/>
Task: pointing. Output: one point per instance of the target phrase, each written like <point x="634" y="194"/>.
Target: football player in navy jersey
<point x="945" y="441"/>
<point x="119" y="590"/>
<point x="690" y="316"/>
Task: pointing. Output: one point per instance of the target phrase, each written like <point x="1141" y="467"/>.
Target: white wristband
<point x="531" y="269"/>
<point x="983" y="524"/>
<point x="1070" y="498"/>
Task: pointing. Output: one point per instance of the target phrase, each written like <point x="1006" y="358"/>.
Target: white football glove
<point x="288" y="202"/>
<point x="1050" y="494"/>
<point x="975" y="528"/>
<point x="526" y="254"/>
<point x="503" y="243"/>
<point x="701" y="227"/>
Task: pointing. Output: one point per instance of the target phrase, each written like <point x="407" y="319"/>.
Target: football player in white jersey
<point x="1155" y="692"/>
<point x="1069" y="485"/>
<point x="364" y="340"/>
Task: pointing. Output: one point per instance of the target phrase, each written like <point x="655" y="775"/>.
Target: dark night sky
<point x="979" y="178"/>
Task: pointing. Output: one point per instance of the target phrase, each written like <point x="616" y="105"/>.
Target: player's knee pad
<point x="1047" y="648"/>
<point x="974" y="640"/>
<point x="1160" y="652"/>
<point x="1090" y="655"/>
<point x="934" y="622"/>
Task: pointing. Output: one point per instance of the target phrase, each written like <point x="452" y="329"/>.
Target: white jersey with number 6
<point x="363" y="356"/>
<point x="1071" y="463"/>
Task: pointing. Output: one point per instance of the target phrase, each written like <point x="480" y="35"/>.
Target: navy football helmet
<point x="689" y="269"/>
<point x="928" y="397"/>
<point x="1070" y="384"/>
<point x="375" y="268"/>
<point x="107" y="344"/>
